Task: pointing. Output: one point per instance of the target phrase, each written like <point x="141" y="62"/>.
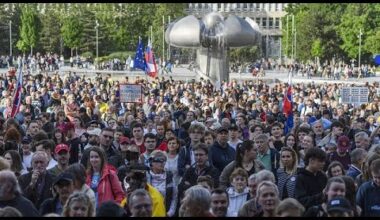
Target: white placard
<point x="130" y="93"/>
<point x="355" y="95"/>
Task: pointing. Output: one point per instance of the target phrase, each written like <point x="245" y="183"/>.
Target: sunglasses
<point x="159" y="160"/>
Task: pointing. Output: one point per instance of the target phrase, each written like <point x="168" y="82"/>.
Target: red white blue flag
<point x="17" y="95"/>
<point x="151" y="66"/>
<point x="287" y="108"/>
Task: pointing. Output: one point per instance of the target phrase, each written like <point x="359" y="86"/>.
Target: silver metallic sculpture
<point x="213" y="36"/>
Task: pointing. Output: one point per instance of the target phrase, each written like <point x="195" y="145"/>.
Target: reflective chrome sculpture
<point x="212" y="36"/>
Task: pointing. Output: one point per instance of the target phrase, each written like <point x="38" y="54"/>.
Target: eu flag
<point x="139" y="61"/>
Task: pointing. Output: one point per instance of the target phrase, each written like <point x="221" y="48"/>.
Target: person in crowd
<point x="221" y="153"/>
<point x="78" y="172"/>
<point x="93" y="138"/>
<point x="335" y="169"/>
<point x="110" y="209"/>
<point x="367" y="175"/>
<point x="37" y="184"/>
<point x="342" y="154"/>
<point x="335" y="187"/>
<point x="339" y="207"/>
<point x="62" y="154"/>
<point x="206" y="181"/>
<point x="140" y="203"/>
<point x="150" y="143"/>
<point x="234" y="133"/>
<point x="27" y="153"/>
<point x="163" y="180"/>
<point x="78" y="205"/>
<point x="63" y="188"/>
<point x="332" y="137"/>
<point x="351" y="189"/>
<point x="289" y="207"/>
<point x="267" y="198"/>
<point x="311" y="180"/>
<point x="47" y="146"/>
<point x="246" y="158"/>
<point x="14" y="159"/>
<point x="200" y="168"/>
<point x="268" y="156"/>
<point x="59" y="136"/>
<point x="102" y="179"/>
<point x="238" y="193"/>
<point x="9" y="211"/>
<point x="196" y="203"/>
<point x="287" y="173"/>
<point x="12" y="196"/>
<point x="358" y="157"/>
<point x="172" y="158"/>
<point x="368" y="193"/>
<point x="219" y="202"/>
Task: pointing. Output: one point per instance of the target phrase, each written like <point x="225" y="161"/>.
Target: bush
<point x="122" y="55"/>
<point x="87" y="54"/>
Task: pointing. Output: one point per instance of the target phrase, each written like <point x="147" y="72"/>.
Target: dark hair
<point x="137" y="125"/>
<point x="332" y="165"/>
<point x="110" y="209"/>
<point x="375" y="166"/>
<point x="201" y="146"/>
<point x="220" y="191"/>
<point x="314" y="153"/>
<point x="150" y="135"/>
<point x="335" y="179"/>
<point x="47" y="144"/>
<point x="107" y="129"/>
<point x="103" y="159"/>
<point x="208" y="179"/>
<point x="241" y="149"/>
<point x="78" y="171"/>
<point x="253" y="127"/>
<point x="16" y="160"/>
<point x="178" y="142"/>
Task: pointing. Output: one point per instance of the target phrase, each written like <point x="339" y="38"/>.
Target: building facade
<point x="266" y="15"/>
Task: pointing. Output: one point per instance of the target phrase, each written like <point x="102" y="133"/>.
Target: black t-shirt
<point x="23" y="205"/>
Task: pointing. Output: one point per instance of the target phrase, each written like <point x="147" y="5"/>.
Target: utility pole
<point x="97" y="43"/>
<point x="360" y="46"/>
<point x="287" y="36"/>
<point x="163" y="37"/>
<point x="169" y="54"/>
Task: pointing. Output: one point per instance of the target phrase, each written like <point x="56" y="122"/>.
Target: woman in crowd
<point x="238" y="193"/>
<point x="79" y="126"/>
<point x="351" y="194"/>
<point x="196" y="203"/>
<point x="102" y="180"/>
<point x="267" y="198"/>
<point x="287" y="173"/>
<point x="163" y="180"/>
<point x="59" y="136"/>
<point x="246" y="153"/>
<point x="335" y="169"/>
<point x="335" y="187"/>
<point x="172" y="158"/>
<point x="78" y="205"/>
<point x="14" y="159"/>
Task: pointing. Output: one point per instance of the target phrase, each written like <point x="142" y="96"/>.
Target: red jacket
<point x="109" y="187"/>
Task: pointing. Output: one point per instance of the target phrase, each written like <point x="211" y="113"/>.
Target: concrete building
<point x="267" y="16"/>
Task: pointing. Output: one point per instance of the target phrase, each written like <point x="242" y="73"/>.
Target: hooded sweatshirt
<point x="237" y="200"/>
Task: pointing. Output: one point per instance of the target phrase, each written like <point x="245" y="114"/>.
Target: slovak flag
<point x="288" y="108"/>
<point x="17" y="95"/>
<point x="151" y="66"/>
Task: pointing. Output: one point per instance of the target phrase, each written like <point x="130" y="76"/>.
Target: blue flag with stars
<point x="139" y="61"/>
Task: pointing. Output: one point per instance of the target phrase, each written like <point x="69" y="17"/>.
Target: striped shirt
<point x="290" y="181"/>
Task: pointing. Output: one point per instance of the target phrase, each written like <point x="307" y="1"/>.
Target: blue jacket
<point x="368" y="198"/>
<point x="220" y="157"/>
<point x="353" y="172"/>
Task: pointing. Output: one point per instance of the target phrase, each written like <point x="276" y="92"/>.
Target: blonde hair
<point x="295" y="159"/>
<point x="75" y="197"/>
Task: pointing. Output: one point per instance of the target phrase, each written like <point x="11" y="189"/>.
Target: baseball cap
<point x="124" y="140"/>
<point x="94" y="131"/>
<point x="26" y="140"/>
<point x="222" y="128"/>
<point x="233" y="127"/>
<point x="61" y="147"/>
<point x="343" y="142"/>
<point x="65" y="176"/>
<point x="339" y="203"/>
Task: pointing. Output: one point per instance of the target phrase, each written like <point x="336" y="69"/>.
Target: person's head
<point x="173" y="145"/>
<point x="290" y="140"/>
<point x="106" y="137"/>
<point x="209" y="137"/>
<point x="339" y="207"/>
<point x="290" y="207"/>
<point x="351" y="187"/>
<point x="33" y="128"/>
<point x="362" y="140"/>
<point x="157" y="161"/>
<point x="150" y="142"/>
<point x="46" y="146"/>
<point x="315" y="159"/>
<point x="301" y="133"/>
<point x="308" y="142"/>
<point x="110" y="209"/>
<point x="335" y="168"/>
<point x="40" y="161"/>
<point x="196" y="132"/>
<point x="343" y="144"/>
<point x="135" y="176"/>
<point x="234" y="131"/>
<point x="140" y="203"/>
<point x="219" y="202"/>
<point x="335" y="186"/>
<point x="196" y="202"/>
<point x="160" y="128"/>
<point x="97" y="159"/>
<point x="337" y="128"/>
<point x="267" y="196"/>
<point x="261" y="142"/>
<point x="201" y="154"/>
<point x="14" y="159"/>
<point x="238" y="179"/>
<point x="9" y="211"/>
<point x="138" y="131"/>
<point x="255" y="130"/>
<point x="318" y="127"/>
<point x="62" y="154"/>
<point x="78" y="172"/>
<point x="276" y="129"/>
<point x="9" y="187"/>
<point x="78" y="205"/>
<point x="252" y="185"/>
<point x="190" y="116"/>
<point x="265" y="175"/>
<point x="288" y="159"/>
<point x="4" y="164"/>
<point x="63" y="185"/>
<point x="222" y="136"/>
<point x="206" y="181"/>
<point x="375" y="171"/>
<point x="245" y="151"/>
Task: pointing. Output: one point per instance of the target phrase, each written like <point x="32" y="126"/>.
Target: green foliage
<point x="244" y="55"/>
<point x="71" y="32"/>
<point x="29" y="28"/>
<point x="87" y="54"/>
<point x="121" y="55"/>
<point x="317" y="49"/>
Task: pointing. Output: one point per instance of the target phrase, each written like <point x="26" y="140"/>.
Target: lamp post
<point x="97" y="45"/>
<point x="360" y="45"/>
<point x="10" y="38"/>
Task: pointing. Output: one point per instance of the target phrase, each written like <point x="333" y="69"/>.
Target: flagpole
<point x="151" y="33"/>
<point x="163" y="37"/>
<point x="169" y="44"/>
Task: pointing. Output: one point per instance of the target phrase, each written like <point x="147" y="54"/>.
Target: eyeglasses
<point x="107" y="136"/>
<point x="159" y="160"/>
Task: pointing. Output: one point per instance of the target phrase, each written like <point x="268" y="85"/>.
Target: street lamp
<point x="10" y="38"/>
<point x="97" y="44"/>
<point x="360" y="45"/>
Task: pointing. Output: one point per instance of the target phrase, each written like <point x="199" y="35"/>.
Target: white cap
<point x="94" y="131"/>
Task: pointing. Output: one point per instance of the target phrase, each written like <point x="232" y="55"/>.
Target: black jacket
<point x="49" y="206"/>
<point x="220" y="157"/>
<point x="309" y="188"/>
<point x="23" y="205"/>
<point x="32" y="194"/>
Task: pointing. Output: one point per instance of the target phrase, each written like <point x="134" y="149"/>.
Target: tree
<point x="71" y="31"/>
<point x="317" y="49"/>
<point x="29" y="28"/>
<point x="244" y="55"/>
<point x="50" y="33"/>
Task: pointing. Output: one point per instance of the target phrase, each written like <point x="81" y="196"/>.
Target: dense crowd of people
<point x="189" y="149"/>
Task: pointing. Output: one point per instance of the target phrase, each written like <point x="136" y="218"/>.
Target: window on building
<point x="277" y="23"/>
<point x="219" y="6"/>
<point x="269" y="6"/>
<point x="245" y="6"/>
<point x="270" y="23"/>
<point x="253" y="6"/>
<point x="258" y="6"/>
<point x="264" y="22"/>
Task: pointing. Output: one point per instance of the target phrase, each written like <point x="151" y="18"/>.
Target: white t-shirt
<point x="51" y="164"/>
<point x="27" y="161"/>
